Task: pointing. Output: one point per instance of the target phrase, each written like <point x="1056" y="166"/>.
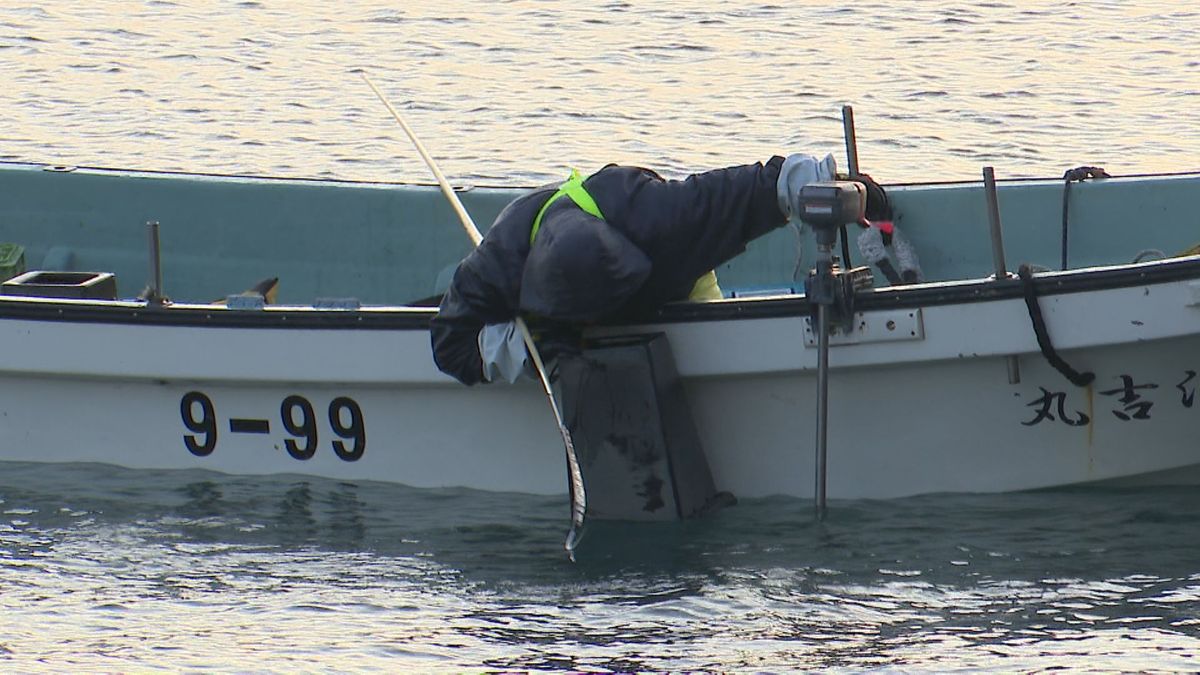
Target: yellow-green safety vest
<point x="573" y="188"/>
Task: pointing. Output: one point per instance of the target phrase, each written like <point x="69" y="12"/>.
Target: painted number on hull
<point x="297" y="416"/>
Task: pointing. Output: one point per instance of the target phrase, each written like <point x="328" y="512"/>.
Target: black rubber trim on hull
<point x="926" y="295"/>
<point x="931" y="295"/>
<point x="218" y="317"/>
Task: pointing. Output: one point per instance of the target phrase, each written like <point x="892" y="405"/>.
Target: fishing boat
<point x="128" y="339"/>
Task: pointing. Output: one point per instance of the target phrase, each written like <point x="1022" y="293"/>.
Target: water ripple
<point x="107" y="562"/>
<point x="661" y="85"/>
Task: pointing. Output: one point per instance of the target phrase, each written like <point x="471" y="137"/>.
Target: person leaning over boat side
<point x="620" y="243"/>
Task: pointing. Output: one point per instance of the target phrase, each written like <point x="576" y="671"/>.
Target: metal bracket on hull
<point x="888" y="326"/>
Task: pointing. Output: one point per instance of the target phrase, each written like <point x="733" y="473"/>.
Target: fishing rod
<point x="574" y="475"/>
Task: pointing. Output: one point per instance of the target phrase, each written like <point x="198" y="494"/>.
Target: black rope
<point x="1043" y="338"/>
<point x="845" y="248"/>
<point x="1078" y="174"/>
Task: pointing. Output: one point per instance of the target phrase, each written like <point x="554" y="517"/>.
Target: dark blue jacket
<point x="657" y="238"/>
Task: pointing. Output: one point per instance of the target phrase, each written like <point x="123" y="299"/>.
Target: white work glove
<point x="797" y="171"/>
<point x="503" y="352"/>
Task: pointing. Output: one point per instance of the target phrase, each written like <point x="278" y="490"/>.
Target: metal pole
<point x="824" y="264"/>
<point x="155" y="283"/>
<point x="821" y="293"/>
<point x="851" y="139"/>
<point x="822" y="407"/>
<point x="993" y="206"/>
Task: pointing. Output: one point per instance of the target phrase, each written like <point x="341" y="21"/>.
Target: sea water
<point x="105" y="568"/>
<point x="108" y="569"/>
<point x="520" y="91"/>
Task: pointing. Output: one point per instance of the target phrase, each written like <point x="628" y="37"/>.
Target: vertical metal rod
<point x="155" y="282"/>
<point x="993" y="206"/>
<point x="851" y="139"/>
<point x="822" y="406"/>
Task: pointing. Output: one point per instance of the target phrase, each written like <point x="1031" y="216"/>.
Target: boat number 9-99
<point x="297" y="416"/>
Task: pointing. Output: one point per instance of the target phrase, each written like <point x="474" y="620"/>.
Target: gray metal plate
<point x="895" y="325"/>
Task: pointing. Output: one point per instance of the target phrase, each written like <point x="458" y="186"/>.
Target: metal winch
<point x="828" y="208"/>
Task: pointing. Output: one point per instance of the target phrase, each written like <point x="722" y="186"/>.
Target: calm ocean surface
<point x="106" y="569"/>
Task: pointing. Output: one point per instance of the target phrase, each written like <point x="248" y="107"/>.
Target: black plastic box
<point x="75" y="285"/>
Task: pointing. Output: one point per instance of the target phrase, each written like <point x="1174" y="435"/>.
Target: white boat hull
<point x="930" y="411"/>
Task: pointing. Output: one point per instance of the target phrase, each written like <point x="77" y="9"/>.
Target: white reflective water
<point x="519" y="91"/>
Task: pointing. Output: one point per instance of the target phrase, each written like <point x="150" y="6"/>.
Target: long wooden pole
<point x="574" y="476"/>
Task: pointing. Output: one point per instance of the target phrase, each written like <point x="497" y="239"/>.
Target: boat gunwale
<point x="468" y="186"/>
<point x="766" y="307"/>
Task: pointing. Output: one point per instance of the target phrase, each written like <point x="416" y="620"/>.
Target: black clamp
<point x="837" y="290"/>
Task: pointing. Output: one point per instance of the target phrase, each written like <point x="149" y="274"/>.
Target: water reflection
<point x="358" y="574"/>
<point x="518" y="92"/>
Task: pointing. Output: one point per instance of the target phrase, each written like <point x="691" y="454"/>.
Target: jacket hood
<point x="579" y="268"/>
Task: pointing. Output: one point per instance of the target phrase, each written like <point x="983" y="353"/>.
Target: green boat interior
<point x="395" y="244"/>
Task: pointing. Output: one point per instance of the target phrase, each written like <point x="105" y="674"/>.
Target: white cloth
<point x="797" y="171"/>
<point x="900" y="254"/>
<point x="870" y="245"/>
<point x="906" y="258"/>
<point x="503" y="352"/>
